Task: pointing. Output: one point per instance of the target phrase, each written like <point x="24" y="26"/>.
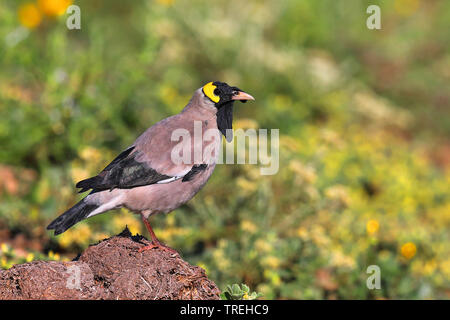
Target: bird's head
<point x="221" y="93"/>
<point x="223" y="96"/>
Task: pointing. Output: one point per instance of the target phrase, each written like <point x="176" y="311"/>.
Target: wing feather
<point x="123" y="172"/>
<point x="126" y="172"/>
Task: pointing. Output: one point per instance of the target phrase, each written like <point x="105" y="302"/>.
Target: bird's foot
<point x="158" y="245"/>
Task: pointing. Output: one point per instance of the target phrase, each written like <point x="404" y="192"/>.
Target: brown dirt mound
<point x="111" y="269"/>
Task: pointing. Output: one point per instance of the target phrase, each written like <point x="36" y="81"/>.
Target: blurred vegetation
<point x="364" y="135"/>
<point x="236" y="292"/>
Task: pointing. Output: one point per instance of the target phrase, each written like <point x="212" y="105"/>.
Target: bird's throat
<point x="225" y="120"/>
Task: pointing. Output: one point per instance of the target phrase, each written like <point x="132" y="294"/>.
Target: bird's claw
<point x="158" y="245"/>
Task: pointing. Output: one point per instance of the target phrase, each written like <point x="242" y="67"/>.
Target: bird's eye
<point x="216" y="92"/>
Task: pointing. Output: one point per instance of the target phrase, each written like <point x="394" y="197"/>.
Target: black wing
<point x="123" y="172"/>
<point x="196" y="169"/>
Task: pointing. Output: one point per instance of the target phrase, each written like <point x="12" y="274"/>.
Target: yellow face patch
<point x="208" y="90"/>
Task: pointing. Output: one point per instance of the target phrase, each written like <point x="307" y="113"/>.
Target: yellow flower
<point x="274" y="277"/>
<point x="408" y="250"/>
<point x="120" y="221"/>
<point x="170" y="220"/>
<point x="203" y="266"/>
<point x="406" y="7"/>
<point x="271" y="262"/>
<point x="100" y="236"/>
<point x="246" y="185"/>
<point x="53" y="8"/>
<point x="372" y="226"/>
<point x="319" y="237"/>
<point x="79" y="174"/>
<point x="221" y="260"/>
<point x="66" y="239"/>
<point x="30" y="257"/>
<point x="167" y="3"/>
<point x="53" y="256"/>
<point x="248" y="226"/>
<point x="4" y="263"/>
<point x="340" y="260"/>
<point x="262" y="245"/>
<point x="302" y="233"/>
<point x="83" y="234"/>
<point x="91" y="154"/>
<point x="445" y="268"/>
<point x="29" y="15"/>
<point x="4" y="248"/>
<point x="430" y="267"/>
<point x="79" y="235"/>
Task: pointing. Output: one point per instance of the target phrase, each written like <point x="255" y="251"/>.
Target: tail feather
<point x="87" y="184"/>
<point x="75" y="214"/>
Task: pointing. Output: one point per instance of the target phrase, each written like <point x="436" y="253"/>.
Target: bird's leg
<point x="155" y="242"/>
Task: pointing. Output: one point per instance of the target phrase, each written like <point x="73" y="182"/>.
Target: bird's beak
<point x="241" y="95"/>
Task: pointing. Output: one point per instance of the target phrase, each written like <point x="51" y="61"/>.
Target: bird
<point x="149" y="177"/>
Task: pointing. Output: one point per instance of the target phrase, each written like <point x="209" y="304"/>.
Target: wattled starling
<point x="162" y="169"/>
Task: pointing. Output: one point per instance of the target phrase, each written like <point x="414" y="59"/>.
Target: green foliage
<point x="363" y="117"/>
<point x="10" y="257"/>
<point x="236" y="292"/>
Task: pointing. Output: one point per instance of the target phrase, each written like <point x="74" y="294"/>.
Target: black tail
<point x="75" y="214"/>
<point x="87" y="184"/>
